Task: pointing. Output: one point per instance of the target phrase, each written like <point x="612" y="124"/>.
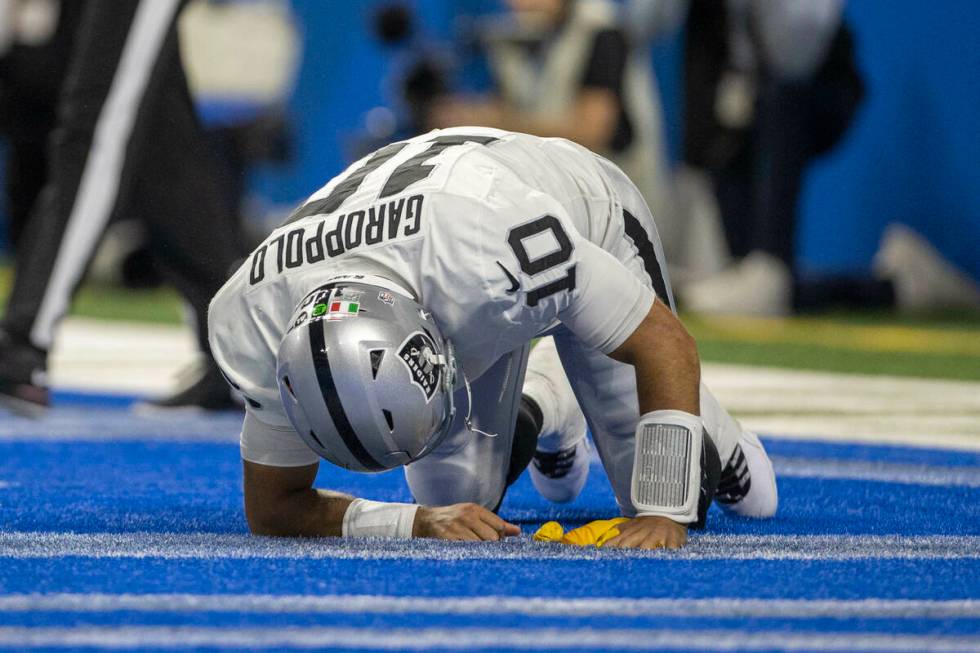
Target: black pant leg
<point x="31" y="76"/>
<point x="193" y="234"/>
<point x="733" y="190"/>
<point x="782" y="150"/>
<point x="114" y="57"/>
<point x="758" y="191"/>
<point x="27" y="169"/>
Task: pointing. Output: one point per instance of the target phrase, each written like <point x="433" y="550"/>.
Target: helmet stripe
<point x="321" y="364"/>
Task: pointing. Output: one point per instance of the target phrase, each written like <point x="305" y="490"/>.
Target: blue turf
<point x="770" y="579"/>
<point x="151" y="484"/>
<point x="182" y="487"/>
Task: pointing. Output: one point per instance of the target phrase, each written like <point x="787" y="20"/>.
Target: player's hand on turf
<point x="461" y="521"/>
<point x="649" y="533"/>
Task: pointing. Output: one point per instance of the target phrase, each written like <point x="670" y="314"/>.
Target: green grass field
<point x="944" y="346"/>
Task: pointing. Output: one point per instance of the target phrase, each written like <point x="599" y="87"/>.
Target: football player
<point x="388" y="322"/>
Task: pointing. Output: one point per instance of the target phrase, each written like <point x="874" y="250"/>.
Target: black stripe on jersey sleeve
<point x="636" y="233"/>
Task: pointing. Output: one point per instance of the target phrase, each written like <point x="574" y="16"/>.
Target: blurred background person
<point x="690" y="226"/>
<point x="770" y="86"/>
<point x="568" y="68"/>
<point x="561" y="68"/>
<point x="35" y="43"/>
<point x="240" y="60"/>
<point x="126" y="134"/>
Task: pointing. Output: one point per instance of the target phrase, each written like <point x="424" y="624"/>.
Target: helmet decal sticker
<point x="342" y="309"/>
<point x="419" y="355"/>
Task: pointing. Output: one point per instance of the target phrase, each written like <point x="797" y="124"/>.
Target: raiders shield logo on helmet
<point x="419" y="354"/>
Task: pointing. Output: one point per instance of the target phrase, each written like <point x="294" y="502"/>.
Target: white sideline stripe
<point x="120" y="357"/>
<point x="484" y="605"/>
<point x="886" y="472"/>
<point x="209" y="546"/>
<point x="99" y="185"/>
<point x="952" y="433"/>
<point x="459" y="639"/>
<point x="851" y="407"/>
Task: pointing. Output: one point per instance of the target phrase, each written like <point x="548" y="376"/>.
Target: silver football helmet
<point x="365" y="375"/>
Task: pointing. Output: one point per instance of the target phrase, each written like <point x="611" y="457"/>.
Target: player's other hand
<point x="461" y="521"/>
<point x="649" y="533"/>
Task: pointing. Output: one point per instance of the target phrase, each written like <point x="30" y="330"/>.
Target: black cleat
<point x="748" y="482"/>
<point x="203" y="390"/>
<point x="736" y="481"/>
<point x="555" y="464"/>
<point x="559" y="476"/>
<point x="23" y="388"/>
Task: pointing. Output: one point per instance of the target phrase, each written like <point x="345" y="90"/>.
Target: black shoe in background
<point x="23" y="377"/>
<point x="203" y="389"/>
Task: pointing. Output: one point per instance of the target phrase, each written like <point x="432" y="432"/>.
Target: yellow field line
<point x="803" y="331"/>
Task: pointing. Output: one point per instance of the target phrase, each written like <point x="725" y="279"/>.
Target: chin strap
<point x="469" y="409"/>
<point x="451" y="365"/>
<point x="448" y="365"/>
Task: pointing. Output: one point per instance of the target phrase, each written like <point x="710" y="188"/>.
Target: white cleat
<point x="748" y="482"/>
<point x="559" y="476"/>
<point x="923" y="280"/>
<point x="759" y="284"/>
<point x="560" y="465"/>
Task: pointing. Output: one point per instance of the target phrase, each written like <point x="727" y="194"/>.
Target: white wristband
<point x="378" y="519"/>
<point x="667" y="465"/>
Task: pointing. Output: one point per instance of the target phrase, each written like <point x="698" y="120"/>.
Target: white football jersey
<point x="500" y="235"/>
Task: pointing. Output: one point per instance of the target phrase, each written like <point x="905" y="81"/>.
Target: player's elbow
<point x="277" y="497"/>
<point x="264" y="521"/>
<point x="266" y="514"/>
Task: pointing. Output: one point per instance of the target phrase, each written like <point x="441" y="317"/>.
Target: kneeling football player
<point x="389" y="323"/>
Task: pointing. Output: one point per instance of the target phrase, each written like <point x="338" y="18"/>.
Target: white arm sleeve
<point x="243" y="333"/>
<point x="276" y="446"/>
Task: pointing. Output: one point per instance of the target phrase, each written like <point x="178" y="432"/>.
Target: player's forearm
<point x="302" y="513"/>
<point x="665" y="357"/>
<point x="669" y="379"/>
